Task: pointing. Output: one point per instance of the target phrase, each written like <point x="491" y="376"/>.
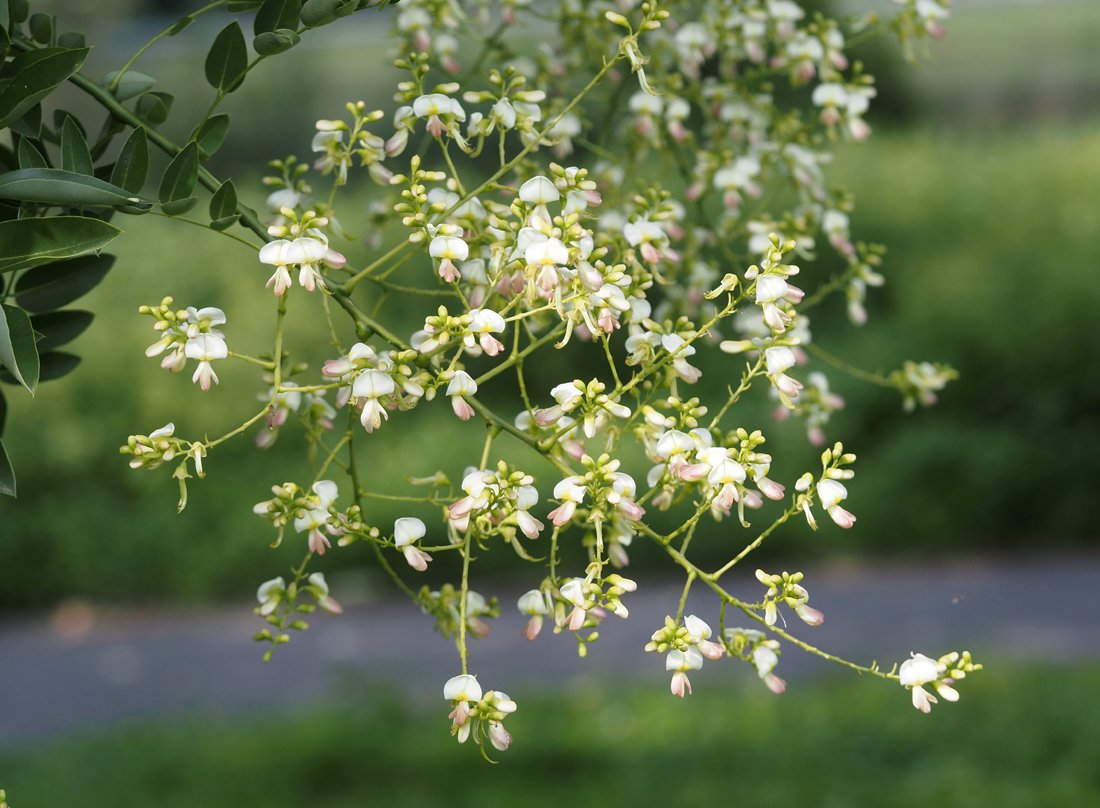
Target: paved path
<point x="78" y="669"/>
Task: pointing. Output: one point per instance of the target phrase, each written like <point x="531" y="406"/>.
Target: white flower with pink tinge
<point x="831" y="493"/>
<point x="369" y="387"/>
<point x="461" y="691"/>
<point x="681" y="662"/>
<point x="317" y="516"/>
<point x="483" y="324"/>
<point x="205" y="348"/>
<point x="406" y="531"/>
<point x="533" y="604"/>
<point x="920" y="670"/>
<point x="461" y="387"/>
<point x="448" y="249"/>
<point x="570" y="493"/>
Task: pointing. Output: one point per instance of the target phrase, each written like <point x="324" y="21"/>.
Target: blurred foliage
<point x="1018" y="739"/>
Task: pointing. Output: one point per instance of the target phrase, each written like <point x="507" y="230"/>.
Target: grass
<point x="1019" y="737"/>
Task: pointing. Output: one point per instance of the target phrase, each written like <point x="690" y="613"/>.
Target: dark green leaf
<point x="181" y="175"/>
<point x="319" y="12"/>
<point x="131" y="84"/>
<point x="275" y="14"/>
<point x="75" y="155"/>
<point x="227" y="60"/>
<point x="132" y="165"/>
<point x="55" y="285"/>
<point x="18" y="354"/>
<point x="7" y="473"/>
<point x="273" y="42"/>
<point x="33" y="76"/>
<point x="26" y="243"/>
<point x="41" y="28"/>
<point x="179" y="207"/>
<point x="30" y="125"/>
<point x="223" y="206"/>
<point x="154" y="107"/>
<point x="71" y="39"/>
<point x="180" y="25"/>
<point x="56" y="364"/>
<point x="29" y="155"/>
<point x="19" y="9"/>
<point x="56" y="186"/>
<point x="60" y="327"/>
<point x="3" y="412"/>
<point x="211" y="136"/>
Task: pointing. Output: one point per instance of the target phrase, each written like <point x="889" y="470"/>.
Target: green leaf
<point x="26" y="243"/>
<point x="318" y="12"/>
<point x="30" y="125"/>
<point x="60" y="327"/>
<point x="180" y="25"/>
<point x="154" y="107"/>
<point x="242" y="6"/>
<point x="19" y="9"/>
<point x="71" y="39"/>
<point x="7" y="473"/>
<point x="211" y="135"/>
<point x="131" y="84"/>
<point x="41" y="28"/>
<point x="33" y="76"/>
<point x="275" y="14"/>
<point x="55" y="285"/>
<point x="273" y="42"/>
<point x="75" y="155"/>
<point x="179" y="206"/>
<point x="132" y="166"/>
<point x="227" y="61"/>
<point x="18" y="354"/>
<point x="3" y="412"/>
<point x="181" y="175"/>
<point x="56" y="364"/>
<point x="29" y="155"/>
<point x="55" y="186"/>
<point x="223" y="206"/>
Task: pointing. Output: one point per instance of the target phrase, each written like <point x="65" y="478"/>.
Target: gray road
<point x="82" y="669"/>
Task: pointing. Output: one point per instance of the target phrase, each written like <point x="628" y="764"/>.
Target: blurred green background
<point x="982" y="178"/>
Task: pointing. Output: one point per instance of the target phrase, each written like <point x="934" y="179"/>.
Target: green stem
<point x="166" y="32"/>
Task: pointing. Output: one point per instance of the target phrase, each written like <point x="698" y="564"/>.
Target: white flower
<point x="462" y="688"/>
<point x="314" y="518"/>
<point x="205" y="348"/>
<point x="320" y="590"/>
<point x="270" y="594"/>
<point x="831" y="493"/>
<point x="368" y="387"/>
<point x="570" y="493"/>
<point x="406" y="531"/>
<point x="920" y="670"/>
<point x="483" y="324"/>
<point x="681" y="662"/>
<point x="461" y="386"/>
<point x="539" y="191"/>
<point x="280" y="254"/>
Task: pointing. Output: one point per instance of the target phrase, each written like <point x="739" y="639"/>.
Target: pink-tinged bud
<point x="318" y="542"/>
<point x="562" y="514"/>
<point x="770" y="488"/>
<point x="775" y="684"/>
<point x="423" y="41"/>
<point x="334" y="259"/>
<point x="335" y="368"/>
<point x="576" y="618"/>
<point x="575" y="449"/>
<point x="690" y="472"/>
<point x="530" y="526"/>
<point x="727" y="495"/>
<point x="478" y="627"/>
<point x="680" y="685"/>
<point x="460" y="508"/>
<point x="805" y="70"/>
<point x="460" y="714"/>
<point x="711" y="649"/>
<point x="650" y="253"/>
<point x="842" y="517"/>
<point x="462" y="408"/>
<point x="451" y="65"/>
<point x="829" y="116"/>
<point x="809" y="615"/>
<point x="448" y="271"/>
<point x="416" y="557"/>
<point x="533" y="627"/>
<point x="490" y="344"/>
<point x="794" y="294"/>
<point x="631" y="510"/>
<point x="499" y="736"/>
<point x="330" y="605"/>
